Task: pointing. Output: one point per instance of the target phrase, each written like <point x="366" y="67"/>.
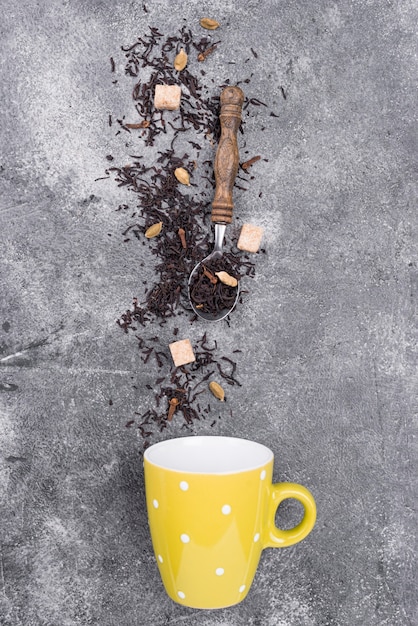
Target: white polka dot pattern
<point x="226" y="512"/>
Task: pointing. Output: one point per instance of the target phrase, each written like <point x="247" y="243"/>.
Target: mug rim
<point x="248" y="455"/>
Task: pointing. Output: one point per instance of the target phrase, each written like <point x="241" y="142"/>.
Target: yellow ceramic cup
<point x="211" y="508"/>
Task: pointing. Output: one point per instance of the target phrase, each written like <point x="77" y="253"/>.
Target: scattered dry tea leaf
<point x="153" y="230"/>
<point x="180" y="61"/>
<point x="217" y="390"/>
<point x="227" y="279"/>
<point x="209" y="24"/>
<point x="182" y="175"/>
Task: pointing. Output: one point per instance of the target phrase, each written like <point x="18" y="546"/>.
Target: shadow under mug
<point x="211" y="509"/>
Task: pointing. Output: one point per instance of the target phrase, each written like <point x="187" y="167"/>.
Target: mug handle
<point x="275" y="537"/>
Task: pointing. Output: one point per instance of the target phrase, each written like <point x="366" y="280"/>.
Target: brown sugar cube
<point x="182" y="352"/>
<point x="167" y="97"/>
<point x="250" y="238"/>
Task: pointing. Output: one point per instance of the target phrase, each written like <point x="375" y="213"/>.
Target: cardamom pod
<point x="182" y="175"/>
<point x="209" y="24"/>
<point x="153" y="230"/>
<point x="180" y="61"/>
<point x="227" y="279"/>
<point x="217" y="390"/>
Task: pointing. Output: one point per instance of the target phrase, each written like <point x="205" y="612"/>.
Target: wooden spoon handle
<point x="227" y="157"/>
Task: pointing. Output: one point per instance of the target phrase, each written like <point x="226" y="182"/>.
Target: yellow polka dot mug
<point x="211" y="508"/>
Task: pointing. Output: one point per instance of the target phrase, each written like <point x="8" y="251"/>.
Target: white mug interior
<point x="208" y="455"/>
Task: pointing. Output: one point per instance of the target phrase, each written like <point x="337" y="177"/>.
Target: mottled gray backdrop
<point x="328" y="329"/>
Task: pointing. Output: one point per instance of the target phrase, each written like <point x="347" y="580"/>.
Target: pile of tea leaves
<point x="160" y="198"/>
<point x="152" y="56"/>
<point x="210" y="293"/>
<point x="187" y="386"/>
<point x="178" y="214"/>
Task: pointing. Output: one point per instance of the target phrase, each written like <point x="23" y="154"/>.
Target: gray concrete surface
<point x="328" y="329"/>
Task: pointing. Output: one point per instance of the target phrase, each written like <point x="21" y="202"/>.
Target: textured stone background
<point x="329" y="368"/>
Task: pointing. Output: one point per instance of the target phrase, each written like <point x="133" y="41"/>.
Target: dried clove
<point x="209" y="275"/>
<point x="143" y="124"/>
<point x="247" y="164"/>
<point x="182" y="234"/>
<point x="205" y="53"/>
<point x="173" y="403"/>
